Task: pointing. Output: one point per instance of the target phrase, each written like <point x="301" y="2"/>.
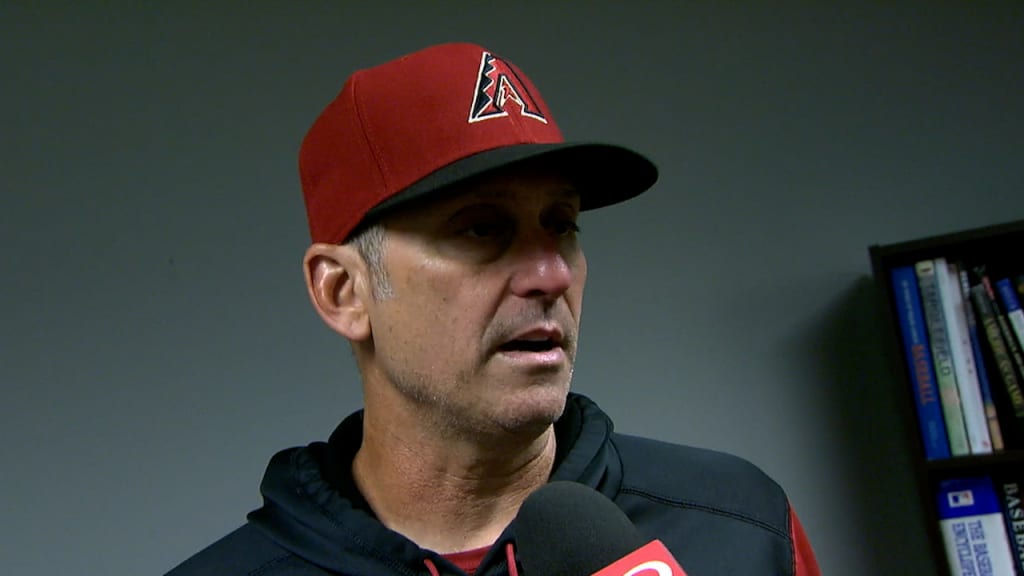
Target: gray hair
<point x="369" y="242"/>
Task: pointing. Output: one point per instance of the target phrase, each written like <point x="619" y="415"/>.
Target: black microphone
<point x="568" y="529"/>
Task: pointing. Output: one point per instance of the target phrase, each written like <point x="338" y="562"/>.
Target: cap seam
<point x="364" y="129"/>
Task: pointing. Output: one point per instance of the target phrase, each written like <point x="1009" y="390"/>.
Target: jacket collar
<point x="313" y="508"/>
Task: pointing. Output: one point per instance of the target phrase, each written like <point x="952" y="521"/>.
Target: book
<point x="1011" y="306"/>
<point x="1009" y="487"/>
<point x="938" y="341"/>
<point x="948" y="279"/>
<point x="1006" y="354"/>
<point x="973" y="529"/>
<point x="918" y="359"/>
<point x="1016" y="353"/>
<point x="974" y="332"/>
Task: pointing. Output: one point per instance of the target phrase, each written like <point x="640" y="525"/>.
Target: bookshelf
<point x="1001" y="249"/>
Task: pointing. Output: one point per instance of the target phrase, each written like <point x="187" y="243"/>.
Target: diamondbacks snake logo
<point x="500" y="91"/>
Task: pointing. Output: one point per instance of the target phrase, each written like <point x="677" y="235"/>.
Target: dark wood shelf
<point x="1001" y="249"/>
<point x="997" y="460"/>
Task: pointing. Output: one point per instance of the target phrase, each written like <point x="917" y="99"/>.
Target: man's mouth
<point x="536" y="340"/>
<point x="529" y="345"/>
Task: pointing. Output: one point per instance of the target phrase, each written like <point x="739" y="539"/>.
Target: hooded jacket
<point x="718" y="514"/>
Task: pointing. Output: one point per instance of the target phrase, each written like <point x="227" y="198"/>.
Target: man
<point x="443" y="204"/>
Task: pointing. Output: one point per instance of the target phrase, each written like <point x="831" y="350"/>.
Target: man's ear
<point x="338" y="286"/>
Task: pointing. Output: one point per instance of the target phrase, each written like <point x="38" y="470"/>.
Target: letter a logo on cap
<point x="497" y="86"/>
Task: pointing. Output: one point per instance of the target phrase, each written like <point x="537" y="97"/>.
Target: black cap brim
<point x="605" y="174"/>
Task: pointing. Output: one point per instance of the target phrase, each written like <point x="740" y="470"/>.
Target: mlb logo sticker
<point x="960" y="499"/>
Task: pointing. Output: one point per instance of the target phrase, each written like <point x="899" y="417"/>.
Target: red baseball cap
<point x="430" y="119"/>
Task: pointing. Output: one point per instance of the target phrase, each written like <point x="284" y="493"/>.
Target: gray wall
<point x="156" y="344"/>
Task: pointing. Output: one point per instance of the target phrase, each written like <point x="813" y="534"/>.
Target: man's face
<point x="480" y="332"/>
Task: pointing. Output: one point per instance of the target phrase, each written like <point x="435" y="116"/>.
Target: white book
<point x="973" y="528"/>
<point x="971" y="401"/>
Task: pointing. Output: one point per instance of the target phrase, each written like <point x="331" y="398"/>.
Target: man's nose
<point x="545" y="267"/>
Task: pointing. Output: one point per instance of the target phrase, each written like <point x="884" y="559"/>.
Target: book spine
<point x="939" y="342"/>
<point x="918" y="360"/>
<point x="1013" y="350"/>
<point x="973" y="529"/>
<point x="1009" y="488"/>
<point x="1000" y="353"/>
<point x="991" y="414"/>
<point x="948" y="280"/>
<point x="1012" y="307"/>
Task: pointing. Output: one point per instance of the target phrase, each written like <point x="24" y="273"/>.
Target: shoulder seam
<point x="689" y="504"/>
<point x="792" y="538"/>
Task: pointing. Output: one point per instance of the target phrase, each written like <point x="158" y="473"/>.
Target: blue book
<point x="1011" y="305"/>
<point x="919" y="363"/>
<point x="973" y="528"/>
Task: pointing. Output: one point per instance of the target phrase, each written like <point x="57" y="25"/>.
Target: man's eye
<point x="565" y="227"/>
<point x="483" y="229"/>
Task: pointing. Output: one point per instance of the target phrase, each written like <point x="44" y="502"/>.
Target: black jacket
<point x="717" y="514"/>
